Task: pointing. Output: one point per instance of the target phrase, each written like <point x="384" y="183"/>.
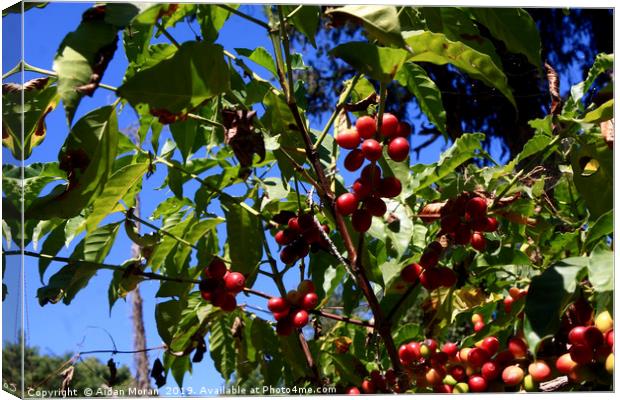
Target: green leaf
<point x="348" y="367"/>
<point x="513" y="26"/>
<point x="52" y="245"/>
<point x="380" y="63"/>
<point x="602" y="63"/>
<point x="221" y="344"/>
<point x="458" y="26"/>
<point x="97" y="244"/>
<point x="36" y="177"/>
<point x="601" y="269"/>
<point x="592" y="164"/>
<point x="167" y="314"/>
<point x="436" y="48"/>
<point x="194" y="233"/>
<point x="168" y="244"/>
<point x="122" y="283"/>
<point x="548" y="295"/>
<point x="600" y="229"/>
<point x="94" y="137"/>
<point x="212" y="19"/>
<point x="306" y="20"/>
<point x="39" y="99"/>
<point x="79" y="54"/>
<point x="66" y="283"/>
<point x="195" y="73"/>
<point x="118" y="185"/>
<point x="261" y="57"/>
<point x="462" y="150"/>
<point x="178" y="366"/>
<point x="426" y="92"/>
<point x="603" y="113"/>
<point x="121" y="14"/>
<point x="187" y="136"/>
<point x="247" y="248"/>
<point x="381" y="22"/>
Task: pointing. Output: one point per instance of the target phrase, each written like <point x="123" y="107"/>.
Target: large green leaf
<point x="261" y="57"/>
<point x="66" y="283"/>
<point x="194" y="233"/>
<point x="462" y="150"/>
<point x="168" y="244"/>
<point x="600" y="229"/>
<point x="52" y="245"/>
<point x="436" y="48"/>
<point x="306" y="20"/>
<point x="118" y="185"/>
<point x="548" y="295"/>
<point x="513" y="26"/>
<point x="381" y="22"/>
<point x="458" y="26"/>
<point x="94" y="138"/>
<point x="81" y="59"/>
<point x="221" y="344"/>
<point x="601" y="269"/>
<point x="212" y="19"/>
<point x="380" y="63"/>
<point x="36" y="177"/>
<point x="195" y="73"/>
<point x="39" y="99"/>
<point x="602" y="63"/>
<point x="592" y="163"/>
<point x="426" y="92"/>
<point x="246" y="249"/>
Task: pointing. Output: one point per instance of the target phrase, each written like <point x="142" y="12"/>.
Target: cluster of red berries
<point x="370" y="187"/>
<point x="477" y="369"/>
<point x="292" y="312"/>
<point x="589" y="345"/>
<point x="427" y="272"/>
<point x="393" y="132"/>
<point x="368" y="191"/>
<point x="464" y="220"/>
<point x="299" y="237"/>
<point x="220" y="286"/>
<point x="377" y="383"/>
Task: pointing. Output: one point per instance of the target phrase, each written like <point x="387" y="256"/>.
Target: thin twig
<point x="257" y="21"/>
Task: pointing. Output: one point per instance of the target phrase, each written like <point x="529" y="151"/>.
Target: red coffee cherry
<point x="462" y="235"/>
<point x="517" y="347"/>
<point x="581" y="354"/>
<point x="478" y="241"/>
<point x="354" y="160"/>
<point x="310" y="301"/>
<point x="346" y="203"/>
<point x="539" y="370"/>
<point x="371" y="173"/>
<point x="375" y="206"/>
<point x="429" y="259"/>
<point x="477" y="356"/>
<point x="404" y="129"/>
<point x="288" y="255"/>
<point x="225" y="301"/>
<point x="408" y="354"/>
<point x="279" y="316"/>
<point x="306" y="286"/>
<point x="216" y="269"/>
<point x="361" y="220"/>
<point x="234" y="282"/>
<point x="390" y="187"/>
<point x="293" y="224"/>
<point x="450" y="223"/>
<point x="366" y="127"/>
<point x="458" y="373"/>
<point x="348" y="139"/>
<point x="508" y="300"/>
<point x="410" y="273"/>
<point x="398" y="149"/>
<point x="477" y="383"/>
<point x="372" y="149"/>
<point x="476" y="207"/>
<point x="300" y="319"/>
<point x="285" y="236"/>
<point x="277" y="305"/>
<point x="512" y="375"/>
<point x="362" y="188"/>
<point x="368" y="387"/>
<point x="389" y="125"/>
<point x="450" y="348"/>
<point x="478" y="326"/>
<point x="353" y="391"/>
<point x="491" y="224"/>
<point x="490" y="370"/>
<point x="306" y="222"/>
<point x="490" y="344"/>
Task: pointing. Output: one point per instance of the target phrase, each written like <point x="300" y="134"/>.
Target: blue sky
<point x="58" y="329"/>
